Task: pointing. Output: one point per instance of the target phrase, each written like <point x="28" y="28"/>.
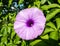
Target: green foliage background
<point x="51" y="34"/>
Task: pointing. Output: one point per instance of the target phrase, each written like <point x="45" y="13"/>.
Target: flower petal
<point x="21" y="32"/>
<point x="18" y="24"/>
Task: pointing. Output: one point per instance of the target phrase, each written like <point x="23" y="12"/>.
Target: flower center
<point x="30" y="23"/>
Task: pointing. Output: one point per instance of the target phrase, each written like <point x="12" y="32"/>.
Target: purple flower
<point x="29" y="23"/>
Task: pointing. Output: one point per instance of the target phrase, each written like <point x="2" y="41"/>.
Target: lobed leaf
<point x="35" y="42"/>
<point x="52" y="14"/>
<point x="58" y="22"/>
<point x="58" y="1"/>
<point x="47" y="30"/>
<point x="43" y="1"/>
<point x="54" y="35"/>
<point x="46" y="7"/>
<point x="45" y="37"/>
<point x="51" y="24"/>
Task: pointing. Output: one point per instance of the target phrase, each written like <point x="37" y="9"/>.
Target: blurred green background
<point x="8" y="11"/>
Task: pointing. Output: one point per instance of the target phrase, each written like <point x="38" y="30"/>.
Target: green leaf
<point x="29" y="6"/>
<point x="37" y="4"/>
<point x="9" y="30"/>
<point x="17" y="40"/>
<point x="35" y="42"/>
<point x="5" y="32"/>
<point x="9" y="27"/>
<point x="58" y="22"/>
<point x="11" y="44"/>
<point x="59" y="44"/>
<point x="0" y="3"/>
<point x="54" y="35"/>
<point x="10" y="24"/>
<point x="0" y="34"/>
<point x="47" y="30"/>
<point x="46" y="7"/>
<point x="4" y="36"/>
<point x="52" y="14"/>
<point x="51" y="24"/>
<point x="4" y="39"/>
<point x="42" y="43"/>
<point x="12" y="34"/>
<point x="59" y="1"/>
<point x="20" y="1"/>
<point x="45" y="36"/>
<point x="59" y="34"/>
<point x="49" y="2"/>
<point x="10" y="2"/>
<point x="43" y="1"/>
<point x="23" y="43"/>
<point x="2" y="44"/>
<point x="11" y="41"/>
<point x="2" y="30"/>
